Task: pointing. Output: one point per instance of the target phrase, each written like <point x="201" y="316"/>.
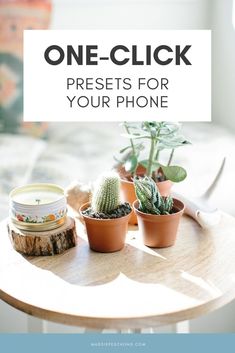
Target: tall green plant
<point x="161" y="136"/>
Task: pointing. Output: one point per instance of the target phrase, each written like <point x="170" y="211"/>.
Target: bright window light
<point x="233" y="13"/>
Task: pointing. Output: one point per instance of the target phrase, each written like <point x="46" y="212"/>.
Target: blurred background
<point x="61" y="153"/>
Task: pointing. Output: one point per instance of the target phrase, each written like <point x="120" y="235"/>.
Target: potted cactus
<point x="159" y="136"/>
<point x="106" y="218"/>
<point x="158" y="216"/>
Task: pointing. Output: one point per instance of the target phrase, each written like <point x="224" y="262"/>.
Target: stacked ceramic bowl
<point x="38" y="207"/>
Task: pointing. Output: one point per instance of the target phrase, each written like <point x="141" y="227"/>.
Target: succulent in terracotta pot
<point x="106" y="218"/>
<point x="158" y="216"/>
<point x="153" y="138"/>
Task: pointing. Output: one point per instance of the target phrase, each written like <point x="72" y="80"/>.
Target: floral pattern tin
<point x="38" y="207"/>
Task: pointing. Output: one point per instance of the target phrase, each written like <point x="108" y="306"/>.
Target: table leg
<point x="147" y="330"/>
<point x="131" y="331"/>
<point x="110" y="331"/>
<point x="181" y="327"/>
<point x="35" y="325"/>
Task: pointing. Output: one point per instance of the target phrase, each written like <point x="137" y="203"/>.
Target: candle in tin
<point x="38" y="207"/>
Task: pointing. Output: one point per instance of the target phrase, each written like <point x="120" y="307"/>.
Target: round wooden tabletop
<point x="138" y="287"/>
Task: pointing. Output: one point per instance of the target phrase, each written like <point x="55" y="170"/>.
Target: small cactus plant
<point x="106" y="195"/>
<point x="150" y="200"/>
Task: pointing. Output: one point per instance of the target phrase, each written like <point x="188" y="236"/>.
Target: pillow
<point x="15" y="16"/>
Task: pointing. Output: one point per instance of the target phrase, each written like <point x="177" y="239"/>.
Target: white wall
<point x="223" y="72"/>
<point x="133" y="14"/>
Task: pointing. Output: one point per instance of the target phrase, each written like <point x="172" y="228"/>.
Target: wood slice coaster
<point x="44" y="243"/>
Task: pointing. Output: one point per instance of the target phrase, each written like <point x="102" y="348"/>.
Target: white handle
<point x="196" y="208"/>
<point x="208" y="219"/>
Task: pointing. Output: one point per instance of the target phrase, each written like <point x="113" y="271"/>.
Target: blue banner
<point x="128" y="343"/>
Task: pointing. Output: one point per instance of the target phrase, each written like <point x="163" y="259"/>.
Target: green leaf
<point x="155" y="164"/>
<point x="144" y="163"/>
<point x="135" y="137"/>
<point x="124" y="149"/>
<point x="174" y="173"/>
<point x="131" y="164"/>
<point x="130" y="125"/>
<point x="172" y="142"/>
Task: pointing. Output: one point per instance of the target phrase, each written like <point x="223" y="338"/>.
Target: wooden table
<point x="135" y="288"/>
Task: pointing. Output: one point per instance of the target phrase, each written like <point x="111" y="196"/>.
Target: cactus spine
<point x="106" y="195"/>
<point x="150" y="200"/>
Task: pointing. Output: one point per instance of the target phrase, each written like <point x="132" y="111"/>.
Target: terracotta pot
<point x="128" y="189"/>
<point x="105" y="235"/>
<point x="128" y="194"/>
<point x="164" y="187"/>
<point x="159" y="231"/>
